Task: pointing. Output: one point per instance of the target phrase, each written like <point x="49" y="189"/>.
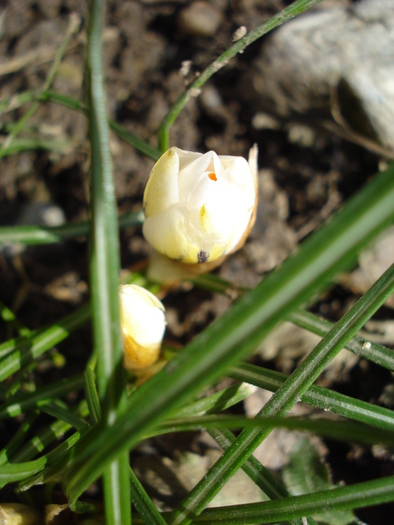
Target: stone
<point x="200" y="19"/>
<point x="337" y="60"/>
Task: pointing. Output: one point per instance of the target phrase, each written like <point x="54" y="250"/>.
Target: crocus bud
<point x="143" y="324"/>
<point x="199" y="207"/>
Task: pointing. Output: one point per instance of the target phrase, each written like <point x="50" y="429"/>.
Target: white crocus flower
<point x="199" y="207"/>
<point x="143" y="324"/>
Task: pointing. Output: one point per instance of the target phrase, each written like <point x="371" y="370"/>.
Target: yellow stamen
<point x="204" y="218"/>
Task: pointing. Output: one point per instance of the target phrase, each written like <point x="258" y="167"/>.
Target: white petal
<point x="166" y="233"/>
<point x="142" y="315"/>
<point x="191" y="174"/>
<point x="186" y="157"/>
<point x="162" y="187"/>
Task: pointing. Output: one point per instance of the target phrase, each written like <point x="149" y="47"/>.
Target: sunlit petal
<point x="143" y="325"/>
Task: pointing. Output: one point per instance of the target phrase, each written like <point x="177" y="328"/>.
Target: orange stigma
<point x="212" y="176"/>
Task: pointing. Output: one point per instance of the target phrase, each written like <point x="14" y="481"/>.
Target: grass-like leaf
<point x="47" y="436"/>
<point x="104" y="265"/>
<point x="354" y="496"/>
<point x="318" y="397"/>
<point x="11" y="472"/>
<point x="76" y="105"/>
<point x="60" y="411"/>
<point x="33" y="234"/>
<point x="91" y="394"/>
<point x="17" y="440"/>
<point x="216" y="402"/>
<point x="23" y="350"/>
<point x="341" y="430"/>
<point x="374" y="352"/>
<point x="22" y="402"/>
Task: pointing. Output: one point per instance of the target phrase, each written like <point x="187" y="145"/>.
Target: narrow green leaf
<point x="17" y="439"/>
<point x="32" y="144"/>
<point x="91" y="391"/>
<point x="22" y="402"/>
<point x="323" y="398"/>
<point x="21" y="351"/>
<point x="264" y="478"/>
<point x="334" y="429"/>
<point x="59" y="410"/>
<point x="11" y="472"/>
<point x="361" y="346"/>
<point x="374" y="352"/>
<point x="32" y="234"/>
<point x="137" y="143"/>
<point x="104" y="266"/>
<point x="355" y="496"/>
<point x="30" y="96"/>
<point x="48" y="435"/>
<point x="216" y="402"/>
<point x="143" y="503"/>
<point x="49" y="471"/>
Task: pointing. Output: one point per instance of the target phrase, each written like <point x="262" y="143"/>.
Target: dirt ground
<point x="146" y="45"/>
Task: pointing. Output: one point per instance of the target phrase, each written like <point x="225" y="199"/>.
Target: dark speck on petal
<point x="202" y="257"/>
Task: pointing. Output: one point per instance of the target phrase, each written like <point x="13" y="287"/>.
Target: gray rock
<point x="332" y="60"/>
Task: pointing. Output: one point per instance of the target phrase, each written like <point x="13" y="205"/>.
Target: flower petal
<point x="142" y="315"/>
<point x="143" y="325"/>
<point x="166" y="233"/>
<point x="191" y="174"/>
<point x="162" y="185"/>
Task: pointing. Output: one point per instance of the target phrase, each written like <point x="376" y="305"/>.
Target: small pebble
<point x="239" y="33"/>
<point x="210" y="99"/>
<point x="185" y="68"/>
<point x="200" y="19"/>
